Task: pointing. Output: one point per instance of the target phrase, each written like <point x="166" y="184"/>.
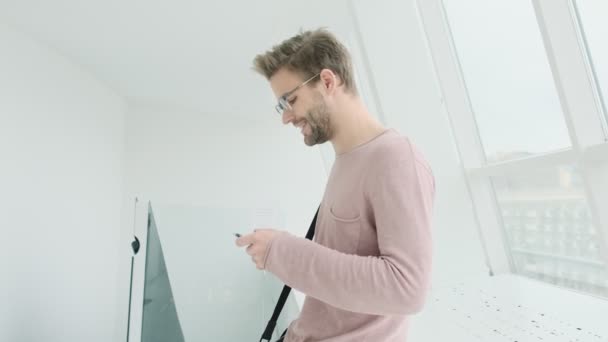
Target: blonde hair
<point x="307" y="53"/>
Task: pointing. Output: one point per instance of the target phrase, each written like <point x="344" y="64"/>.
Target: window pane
<point x="549" y="230"/>
<point x="508" y="77"/>
<point x="592" y="16"/>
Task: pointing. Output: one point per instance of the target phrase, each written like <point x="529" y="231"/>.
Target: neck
<point x="353" y="125"/>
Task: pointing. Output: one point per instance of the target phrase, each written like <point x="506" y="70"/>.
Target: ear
<point x="329" y="81"/>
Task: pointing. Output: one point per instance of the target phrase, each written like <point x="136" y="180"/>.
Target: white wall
<point x="181" y="156"/>
<point x="61" y="150"/>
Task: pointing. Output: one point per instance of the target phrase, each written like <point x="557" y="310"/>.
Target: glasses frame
<point x="283" y="104"/>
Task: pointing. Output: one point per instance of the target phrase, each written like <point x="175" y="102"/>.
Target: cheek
<point x="315" y="115"/>
<point x="311" y="119"/>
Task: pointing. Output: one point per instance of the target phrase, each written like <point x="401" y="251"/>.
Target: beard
<point x="318" y="119"/>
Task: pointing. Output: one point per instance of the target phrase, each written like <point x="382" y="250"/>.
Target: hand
<point x="258" y="242"/>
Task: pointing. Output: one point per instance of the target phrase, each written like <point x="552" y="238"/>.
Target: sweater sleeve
<point x="393" y="283"/>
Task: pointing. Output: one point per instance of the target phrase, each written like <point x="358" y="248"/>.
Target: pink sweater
<point x="369" y="266"/>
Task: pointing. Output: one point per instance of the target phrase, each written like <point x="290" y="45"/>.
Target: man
<point x="369" y="265"/>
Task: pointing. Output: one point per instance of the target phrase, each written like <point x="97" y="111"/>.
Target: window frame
<point x="581" y="106"/>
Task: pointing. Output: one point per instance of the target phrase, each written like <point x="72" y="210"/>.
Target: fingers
<point x="245" y="240"/>
<point x="256" y="243"/>
<point x="248" y="239"/>
<point x="257" y="262"/>
<point x="255" y="252"/>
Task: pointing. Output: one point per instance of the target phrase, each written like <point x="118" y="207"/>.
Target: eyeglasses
<point x="283" y="104"/>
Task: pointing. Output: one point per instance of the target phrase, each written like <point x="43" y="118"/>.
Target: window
<point x="538" y="201"/>
<point x="549" y="229"/>
<point x="592" y="16"/>
<point x="508" y="77"/>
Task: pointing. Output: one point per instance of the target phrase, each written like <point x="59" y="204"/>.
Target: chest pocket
<point x="344" y="231"/>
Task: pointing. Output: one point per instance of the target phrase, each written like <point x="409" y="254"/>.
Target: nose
<point x="287" y="116"/>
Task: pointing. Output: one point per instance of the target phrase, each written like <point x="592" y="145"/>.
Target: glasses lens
<point x="282" y="106"/>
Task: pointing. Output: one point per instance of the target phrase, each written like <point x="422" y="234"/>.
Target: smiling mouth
<point x="302" y="126"/>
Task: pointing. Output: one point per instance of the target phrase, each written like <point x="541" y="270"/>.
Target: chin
<point x="310" y="142"/>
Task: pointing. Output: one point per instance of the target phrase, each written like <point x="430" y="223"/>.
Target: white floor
<point x="510" y="308"/>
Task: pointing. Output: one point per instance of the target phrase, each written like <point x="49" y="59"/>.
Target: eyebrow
<point x="298" y="87"/>
<point x="285" y="95"/>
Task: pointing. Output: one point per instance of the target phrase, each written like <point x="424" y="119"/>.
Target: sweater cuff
<point x="271" y="257"/>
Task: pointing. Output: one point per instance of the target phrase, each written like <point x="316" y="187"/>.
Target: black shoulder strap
<point x="267" y="335"/>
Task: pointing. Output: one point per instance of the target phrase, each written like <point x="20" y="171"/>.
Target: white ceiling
<point x="183" y="53"/>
